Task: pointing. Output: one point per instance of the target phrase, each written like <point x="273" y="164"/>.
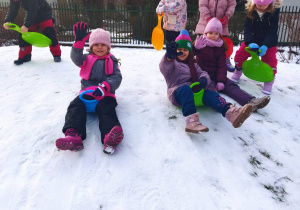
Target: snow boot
<point x="193" y="124"/>
<point x="57" y="59"/>
<point x="112" y="139"/>
<point x="268" y="87"/>
<point x="237" y="115"/>
<point x="259" y="103"/>
<point x="229" y="66"/>
<point x="20" y="61"/>
<point x="236" y="75"/>
<point x="72" y="141"/>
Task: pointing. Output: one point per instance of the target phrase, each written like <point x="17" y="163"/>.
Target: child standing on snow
<point x="175" y="17"/>
<point x="210" y="56"/>
<point x="38" y="15"/>
<point x="260" y="32"/>
<point x="180" y="71"/>
<point x="99" y="72"/>
<point x="221" y="9"/>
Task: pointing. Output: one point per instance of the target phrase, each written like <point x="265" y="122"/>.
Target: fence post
<point x="76" y="12"/>
<point x="139" y="25"/>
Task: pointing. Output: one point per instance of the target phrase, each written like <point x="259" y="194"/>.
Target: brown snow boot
<point x="193" y="125"/>
<point x="259" y="103"/>
<point x="237" y="115"/>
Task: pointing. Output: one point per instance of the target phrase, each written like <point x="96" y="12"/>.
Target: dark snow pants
<point x="106" y="110"/>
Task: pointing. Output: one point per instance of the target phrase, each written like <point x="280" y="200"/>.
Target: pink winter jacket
<point x="214" y="8"/>
<point x="177" y="9"/>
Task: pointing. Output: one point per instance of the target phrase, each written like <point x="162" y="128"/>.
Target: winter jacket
<point x="175" y="15"/>
<point x="178" y="74"/>
<point x="213" y="61"/>
<point x="97" y="74"/>
<point x="262" y="31"/>
<point x="37" y="11"/>
<point x="214" y="8"/>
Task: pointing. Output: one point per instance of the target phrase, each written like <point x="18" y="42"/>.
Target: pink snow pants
<point x="269" y="58"/>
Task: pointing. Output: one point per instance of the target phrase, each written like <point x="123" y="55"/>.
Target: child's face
<point x="100" y="49"/>
<point x="185" y="54"/>
<point x="213" y="36"/>
<point x="261" y="8"/>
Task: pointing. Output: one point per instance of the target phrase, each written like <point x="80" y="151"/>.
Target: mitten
<point x="200" y="42"/>
<point x="254" y="47"/>
<point x="160" y="9"/>
<point x="208" y="19"/>
<point x="102" y="89"/>
<point x="225" y="21"/>
<point x="262" y="50"/>
<point x="172" y="50"/>
<point x="203" y="82"/>
<point x="220" y="86"/>
<point x="81" y="34"/>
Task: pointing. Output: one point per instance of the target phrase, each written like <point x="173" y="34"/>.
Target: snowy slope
<point x="157" y="166"/>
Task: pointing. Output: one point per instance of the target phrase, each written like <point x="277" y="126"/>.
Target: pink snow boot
<point x="268" y="87"/>
<point x="193" y="125"/>
<point x="237" y="115"/>
<point x="72" y="141"/>
<point x="236" y="76"/>
<point x="112" y="139"/>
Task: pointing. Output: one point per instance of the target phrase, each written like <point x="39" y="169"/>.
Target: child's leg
<point x="270" y="59"/>
<point x="184" y="96"/>
<point x="240" y="56"/>
<point x="76" y="117"/>
<point x="235" y="92"/>
<point x="106" y="111"/>
<point x="215" y="101"/>
<point x="171" y="35"/>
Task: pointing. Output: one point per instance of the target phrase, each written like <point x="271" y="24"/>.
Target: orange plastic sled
<point x="158" y="37"/>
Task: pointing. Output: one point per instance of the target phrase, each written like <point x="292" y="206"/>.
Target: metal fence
<point x="133" y="25"/>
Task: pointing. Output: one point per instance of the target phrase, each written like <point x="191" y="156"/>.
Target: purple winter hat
<point x="262" y="2"/>
<point x="214" y="25"/>
<point x="99" y="36"/>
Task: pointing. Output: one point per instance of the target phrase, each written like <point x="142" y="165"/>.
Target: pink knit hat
<point x="99" y="36"/>
<point x="262" y="2"/>
<point x="214" y="25"/>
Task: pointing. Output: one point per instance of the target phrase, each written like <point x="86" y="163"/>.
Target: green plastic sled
<point x="198" y="96"/>
<point x="257" y="70"/>
<point x="34" y="38"/>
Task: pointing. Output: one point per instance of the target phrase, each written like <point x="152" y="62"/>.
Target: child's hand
<point x="203" y="82"/>
<point x="160" y="9"/>
<point x="225" y="21"/>
<point x="262" y="50"/>
<point x="220" y="86"/>
<point x="101" y="90"/>
<point x="81" y="31"/>
<point x="172" y="50"/>
<point x="253" y="46"/>
<point x="200" y="42"/>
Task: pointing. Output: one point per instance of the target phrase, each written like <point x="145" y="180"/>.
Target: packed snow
<point x="157" y="166"/>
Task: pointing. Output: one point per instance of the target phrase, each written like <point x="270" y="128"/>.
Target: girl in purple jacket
<point x="180" y="71"/>
<point x="210" y="56"/>
<point x="101" y="74"/>
<point x="260" y="33"/>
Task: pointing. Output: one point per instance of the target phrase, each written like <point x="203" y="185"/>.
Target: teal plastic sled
<point x="257" y="70"/>
<point x="34" y="38"/>
<point x="198" y="96"/>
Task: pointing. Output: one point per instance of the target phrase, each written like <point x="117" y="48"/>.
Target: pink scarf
<point x="87" y="65"/>
<point x="211" y="43"/>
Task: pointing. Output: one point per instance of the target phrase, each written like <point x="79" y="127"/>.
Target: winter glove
<point x="208" y="19"/>
<point x="102" y="89"/>
<point x="225" y="21"/>
<point x="220" y="86"/>
<point x="254" y="47"/>
<point x="203" y="82"/>
<point x="172" y="50"/>
<point x="81" y="34"/>
<point x="5" y="26"/>
<point x="160" y="9"/>
<point x="262" y="50"/>
<point x="200" y="42"/>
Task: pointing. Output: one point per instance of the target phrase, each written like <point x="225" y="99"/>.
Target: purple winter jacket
<point x="214" y="8"/>
<point x="213" y="61"/>
<point x="178" y="74"/>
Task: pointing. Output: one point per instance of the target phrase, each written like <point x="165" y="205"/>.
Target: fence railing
<point x="134" y="25"/>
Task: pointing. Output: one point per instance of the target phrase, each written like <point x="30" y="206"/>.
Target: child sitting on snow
<point x="100" y="73"/>
<point x="180" y="71"/>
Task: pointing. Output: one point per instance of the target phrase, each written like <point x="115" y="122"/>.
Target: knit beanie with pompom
<point x="214" y="25"/>
<point x="99" y="36"/>
<point x="184" y="40"/>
